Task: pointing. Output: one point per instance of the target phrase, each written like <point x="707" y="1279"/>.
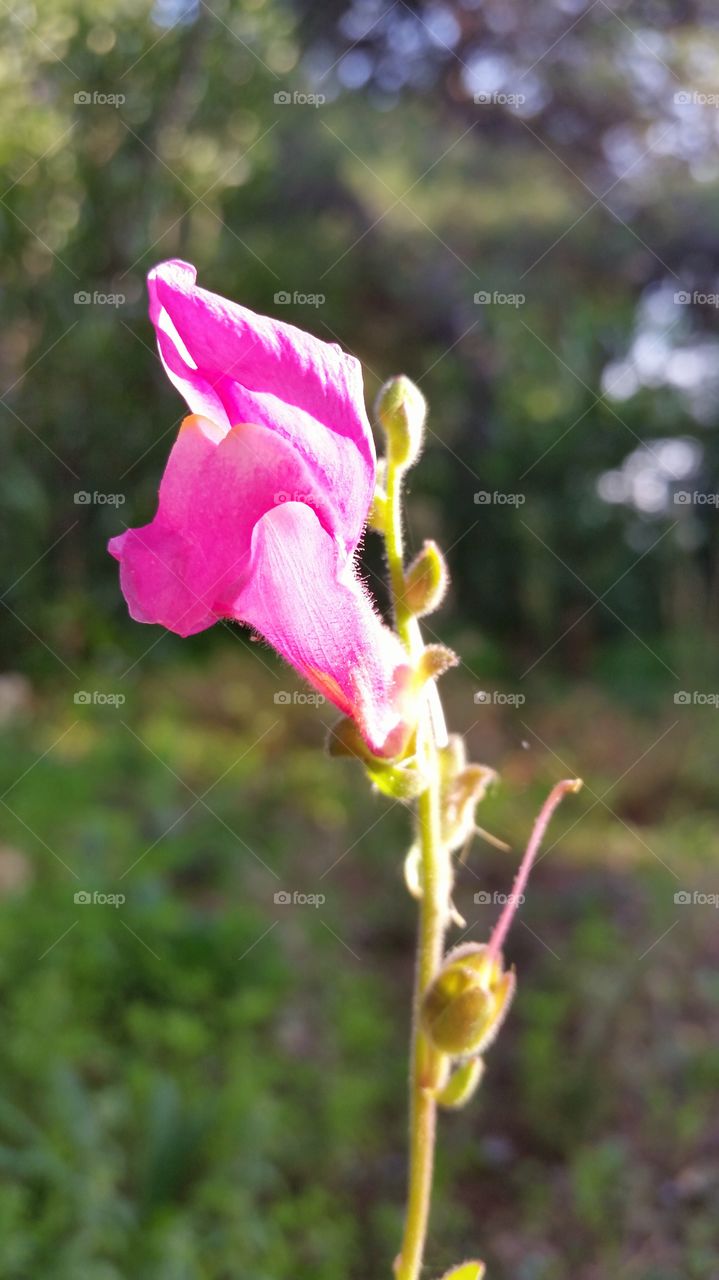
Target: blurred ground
<point x="201" y="1074"/>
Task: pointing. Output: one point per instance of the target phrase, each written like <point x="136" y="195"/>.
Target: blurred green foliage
<point x="202" y="1083"/>
<point x="161" y="132"/>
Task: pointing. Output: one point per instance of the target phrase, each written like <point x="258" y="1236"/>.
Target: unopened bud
<point x="465" y="1006"/>
<point x="434" y="661"/>
<point x="425" y="581"/>
<point x="402" y="409"/>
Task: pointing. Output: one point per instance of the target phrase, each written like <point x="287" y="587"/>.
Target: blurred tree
<point x="560" y="163"/>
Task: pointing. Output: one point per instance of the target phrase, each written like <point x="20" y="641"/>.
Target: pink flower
<point x="264" y="501"/>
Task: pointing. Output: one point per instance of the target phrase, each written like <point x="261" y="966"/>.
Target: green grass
<point x="202" y="1084"/>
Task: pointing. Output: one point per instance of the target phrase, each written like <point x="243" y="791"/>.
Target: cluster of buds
<point x="418" y="590"/>
<point x="462" y="1011"/>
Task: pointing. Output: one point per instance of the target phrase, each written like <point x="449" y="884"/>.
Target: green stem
<point x="425" y="1061"/>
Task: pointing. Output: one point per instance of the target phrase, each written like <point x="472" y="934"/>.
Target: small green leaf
<point x="466" y="1271"/>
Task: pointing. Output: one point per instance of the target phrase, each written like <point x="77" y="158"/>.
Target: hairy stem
<point x="425" y="1061"/>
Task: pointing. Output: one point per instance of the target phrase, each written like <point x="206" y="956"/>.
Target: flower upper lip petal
<point x="233" y="365"/>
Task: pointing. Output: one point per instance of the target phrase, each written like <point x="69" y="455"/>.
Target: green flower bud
<point x="462" y="1084"/>
<point x="425" y="581"/>
<point x="433" y="662"/>
<point x="465" y="1006"/>
<point x="401" y="409"/>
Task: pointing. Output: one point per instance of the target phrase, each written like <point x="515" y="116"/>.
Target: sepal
<point x="462" y="1084"/>
<point x="402" y="781"/>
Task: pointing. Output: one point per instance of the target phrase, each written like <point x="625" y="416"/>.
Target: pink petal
<point x="182" y="568"/>
<point x="321" y="620"/>
<point x="234" y="366"/>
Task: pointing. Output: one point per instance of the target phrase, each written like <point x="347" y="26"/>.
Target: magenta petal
<point x="159" y="580"/>
<point x="234" y="366"/>
<point x="323" y="623"/>
<point x="181" y="568"/>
